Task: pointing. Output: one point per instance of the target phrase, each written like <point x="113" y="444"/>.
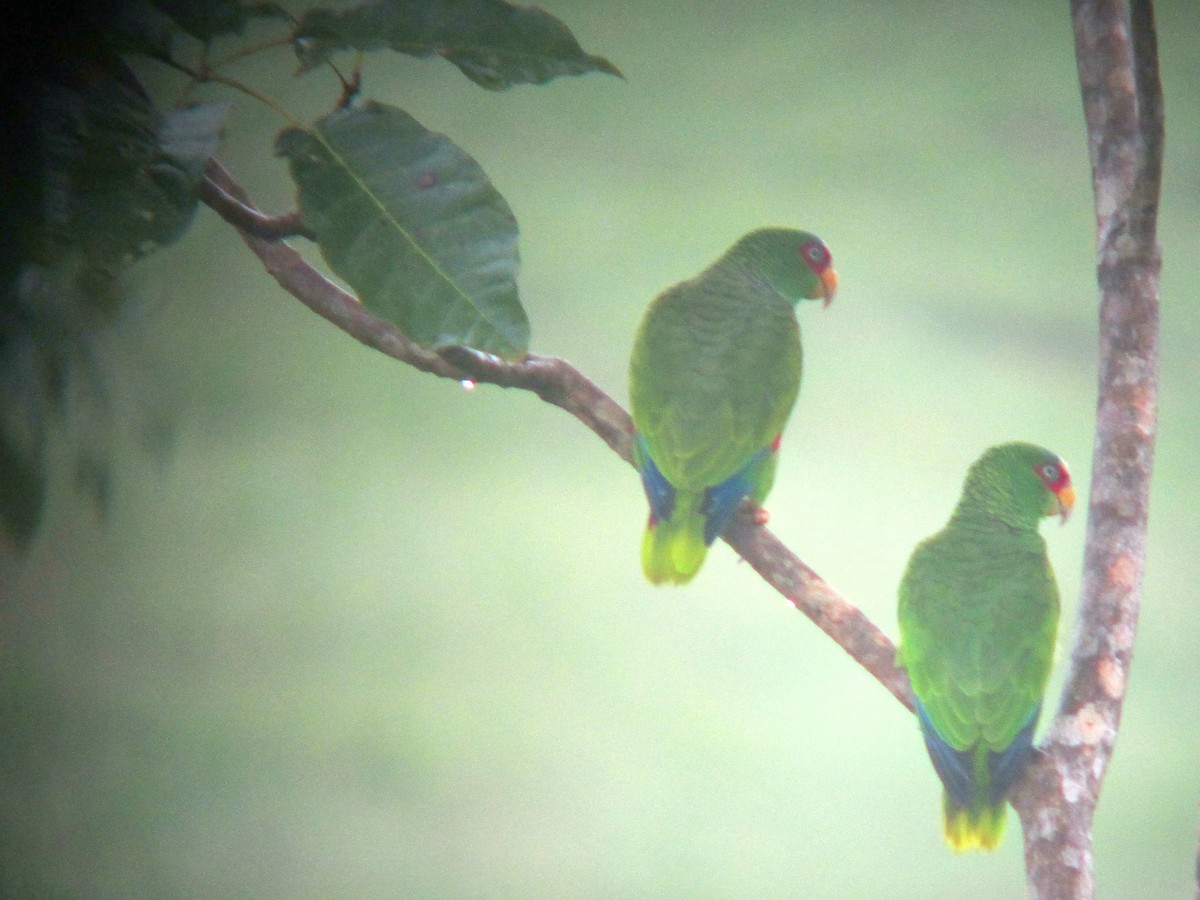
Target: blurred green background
<point x="370" y="635"/>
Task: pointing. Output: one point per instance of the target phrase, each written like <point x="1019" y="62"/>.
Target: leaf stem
<point x="206" y="75"/>
<point x="258" y="95"/>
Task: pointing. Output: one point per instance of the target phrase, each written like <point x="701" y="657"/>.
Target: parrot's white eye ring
<point x="815" y="254"/>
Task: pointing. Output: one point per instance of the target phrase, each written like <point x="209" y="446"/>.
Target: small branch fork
<point x="559" y="383"/>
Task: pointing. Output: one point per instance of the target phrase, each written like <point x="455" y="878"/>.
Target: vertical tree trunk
<point x="1116" y="53"/>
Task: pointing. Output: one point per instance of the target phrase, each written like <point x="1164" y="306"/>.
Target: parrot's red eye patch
<point x="1053" y="476"/>
<point x="814" y="255"/>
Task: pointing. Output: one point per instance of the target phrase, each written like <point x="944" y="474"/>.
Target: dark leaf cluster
<point x="100" y="177"/>
<point x="95" y="179"/>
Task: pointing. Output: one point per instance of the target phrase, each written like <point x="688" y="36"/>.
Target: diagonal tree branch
<point x="559" y="383"/>
<point x="1117" y="60"/>
<point x="827" y="608"/>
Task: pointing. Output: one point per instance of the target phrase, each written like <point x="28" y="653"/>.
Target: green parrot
<point x="978" y="614"/>
<point x="714" y="375"/>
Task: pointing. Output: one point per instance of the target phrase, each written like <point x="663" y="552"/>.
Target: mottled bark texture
<point x="1116" y="53"/>
<point x="1118" y="72"/>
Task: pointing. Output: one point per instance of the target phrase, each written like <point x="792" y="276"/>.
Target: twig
<point x="250" y="220"/>
<point x="559" y="383"/>
<point x="1122" y="99"/>
<point x="271" y="43"/>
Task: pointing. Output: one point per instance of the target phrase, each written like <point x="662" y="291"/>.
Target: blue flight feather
<point x="956" y="768"/>
<point x="722" y="500"/>
<point x="1007" y="765"/>
<point x="659" y="491"/>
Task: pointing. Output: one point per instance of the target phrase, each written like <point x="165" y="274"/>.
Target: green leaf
<point x="209" y="19"/>
<point x="413" y="224"/>
<point x="495" y="44"/>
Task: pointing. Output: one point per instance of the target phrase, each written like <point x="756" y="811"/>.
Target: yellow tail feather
<point x="973" y="829"/>
<point x="673" y="550"/>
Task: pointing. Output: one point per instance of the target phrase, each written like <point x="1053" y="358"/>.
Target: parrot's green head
<point x="1019" y="484"/>
<point x="795" y="263"/>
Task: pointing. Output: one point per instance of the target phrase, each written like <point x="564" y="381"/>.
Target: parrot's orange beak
<point x="1065" y="497"/>
<point x="829" y="283"/>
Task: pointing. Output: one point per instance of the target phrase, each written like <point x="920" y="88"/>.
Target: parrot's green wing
<point x="714" y="379"/>
<point x="977" y="625"/>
